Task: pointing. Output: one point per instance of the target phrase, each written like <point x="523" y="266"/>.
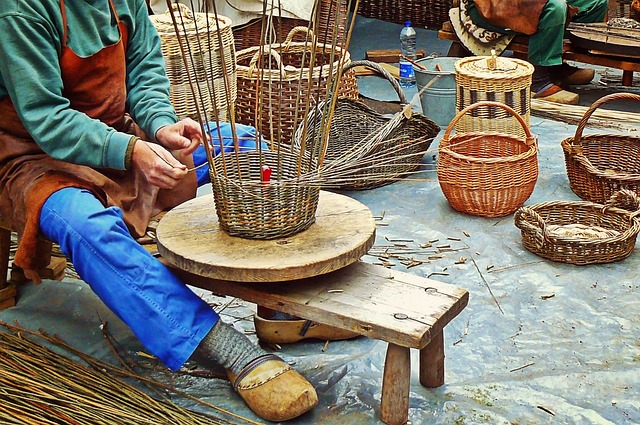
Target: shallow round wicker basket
<point x="495" y="79"/>
<point x="275" y="83"/>
<point x="207" y="41"/>
<point x="375" y="162"/>
<point x="598" y="165"/>
<point x="581" y="232"/>
<point x="484" y="173"/>
<point x="251" y="208"/>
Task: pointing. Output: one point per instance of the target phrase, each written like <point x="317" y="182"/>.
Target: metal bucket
<point x="439" y="99"/>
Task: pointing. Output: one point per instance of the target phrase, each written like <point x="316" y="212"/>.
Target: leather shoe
<point x="290" y="331"/>
<point x="555" y="94"/>
<point x="570" y="75"/>
<point x="273" y="390"/>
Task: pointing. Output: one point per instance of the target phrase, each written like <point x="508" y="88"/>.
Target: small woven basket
<point x="211" y="62"/>
<point x="598" y="165"/>
<point x="484" y="173"/>
<point x="581" y="232"/>
<point x="249" y="206"/>
<point x="375" y="163"/>
<point x="495" y="79"/>
<point x="276" y="80"/>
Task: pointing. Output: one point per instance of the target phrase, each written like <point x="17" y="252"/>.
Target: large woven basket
<point x="207" y="40"/>
<point x="484" y="173"/>
<point x="252" y="207"/>
<point x="277" y="84"/>
<point x="581" y="232"/>
<point x="598" y="165"/>
<point x="374" y="163"/>
<point x="495" y="79"/>
<point x="422" y="13"/>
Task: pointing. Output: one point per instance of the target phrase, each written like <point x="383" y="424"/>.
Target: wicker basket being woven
<point x="581" y="232"/>
<point x="278" y="83"/>
<point x="211" y="61"/>
<point x="598" y="165"/>
<point x="373" y="162"/>
<point x="253" y="206"/>
<point x="484" y="173"/>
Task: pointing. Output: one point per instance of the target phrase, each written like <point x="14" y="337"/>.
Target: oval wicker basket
<point x="598" y="165"/>
<point x="375" y="162"/>
<point x="487" y="174"/>
<point x="581" y="232"/>
<point x="211" y="61"/>
<point x="251" y="208"/>
<point x="275" y="82"/>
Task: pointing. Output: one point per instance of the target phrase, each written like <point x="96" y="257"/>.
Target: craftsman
<point x="544" y="21"/>
<point x="90" y="149"/>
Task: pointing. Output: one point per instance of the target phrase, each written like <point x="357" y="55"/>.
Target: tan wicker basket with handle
<point x="581" y="232"/>
<point x="485" y="173"/>
<point x="598" y="165"/>
<point x="208" y="41"/>
<point x="278" y="83"/>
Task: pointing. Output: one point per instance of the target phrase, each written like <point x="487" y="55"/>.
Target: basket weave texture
<point x="250" y="207"/>
<point x="487" y="174"/>
<point x="375" y="162"/>
<point x="608" y="232"/>
<point x="276" y="80"/>
<point x="598" y="165"/>
<point x="494" y="79"/>
<point x="211" y="62"/>
<point x="422" y="13"/>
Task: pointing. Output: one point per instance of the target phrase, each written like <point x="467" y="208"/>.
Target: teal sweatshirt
<point x="30" y="48"/>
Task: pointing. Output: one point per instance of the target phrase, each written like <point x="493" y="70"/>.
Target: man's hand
<point x="184" y="135"/>
<point x="157" y="164"/>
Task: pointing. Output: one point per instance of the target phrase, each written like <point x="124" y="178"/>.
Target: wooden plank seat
<point x="404" y="310"/>
<point x="519" y="45"/>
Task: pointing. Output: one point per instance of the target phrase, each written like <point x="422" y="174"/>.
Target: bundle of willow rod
<point x="40" y="386"/>
<point x="572" y="114"/>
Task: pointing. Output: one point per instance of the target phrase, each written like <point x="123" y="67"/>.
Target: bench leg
<point x="432" y="362"/>
<point x="394" y="405"/>
<point x="627" y="78"/>
<point x="5" y="246"/>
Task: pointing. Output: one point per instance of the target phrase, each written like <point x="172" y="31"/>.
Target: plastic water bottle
<point x="407" y="49"/>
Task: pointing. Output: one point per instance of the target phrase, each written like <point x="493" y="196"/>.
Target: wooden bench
<point x="316" y="275"/>
<point x="520" y="46"/>
<point x="405" y="310"/>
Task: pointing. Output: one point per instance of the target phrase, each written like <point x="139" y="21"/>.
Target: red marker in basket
<point x="265" y="174"/>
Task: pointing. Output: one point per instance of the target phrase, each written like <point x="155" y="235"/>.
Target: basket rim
<point x="532" y="150"/>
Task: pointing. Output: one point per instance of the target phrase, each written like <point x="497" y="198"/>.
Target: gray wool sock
<point x="225" y="346"/>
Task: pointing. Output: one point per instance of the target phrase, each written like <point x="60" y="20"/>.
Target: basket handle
<point x="530" y="138"/>
<point x="523" y="217"/>
<point x="595" y="105"/>
<point x="294" y="31"/>
<point x="625" y="199"/>
<point x="182" y="9"/>
<point x="383" y="73"/>
<point x="268" y="50"/>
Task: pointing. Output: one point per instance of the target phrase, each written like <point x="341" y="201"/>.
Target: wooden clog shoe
<point x="290" y="331"/>
<point x="273" y="389"/>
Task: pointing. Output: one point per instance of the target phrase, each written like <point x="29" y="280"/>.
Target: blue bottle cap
<point x="407" y="23"/>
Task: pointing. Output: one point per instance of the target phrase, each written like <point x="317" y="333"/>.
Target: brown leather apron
<point x="96" y="86"/>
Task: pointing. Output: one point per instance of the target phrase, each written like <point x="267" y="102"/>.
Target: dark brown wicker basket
<point x="251" y="208"/>
<point x="422" y="13"/>
<point x="607" y="233"/>
<point x="598" y="165"/>
<point x="377" y="163"/>
<point x="487" y="174"/>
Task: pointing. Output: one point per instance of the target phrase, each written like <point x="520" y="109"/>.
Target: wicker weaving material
<point x="598" y="165"/>
<point x="422" y="13"/>
<point x="484" y="173"/>
<point x="211" y="62"/>
<point x="374" y="162"/>
<point x="593" y="233"/>
<point x="254" y="209"/>
<point x="495" y="79"/>
<point x="274" y="83"/>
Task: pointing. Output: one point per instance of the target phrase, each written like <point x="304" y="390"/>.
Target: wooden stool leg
<point x="432" y="362"/>
<point x="627" y="78"/>
<point x="5" y="246"/>
<point x="394" y="406"/>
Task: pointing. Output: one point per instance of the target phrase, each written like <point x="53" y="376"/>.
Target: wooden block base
<point x="54" y="271"/>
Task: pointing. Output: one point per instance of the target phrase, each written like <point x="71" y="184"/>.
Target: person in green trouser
<point x="545" y="44"/>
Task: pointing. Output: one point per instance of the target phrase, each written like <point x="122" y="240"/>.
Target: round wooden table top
<point x="190" y="238"/>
